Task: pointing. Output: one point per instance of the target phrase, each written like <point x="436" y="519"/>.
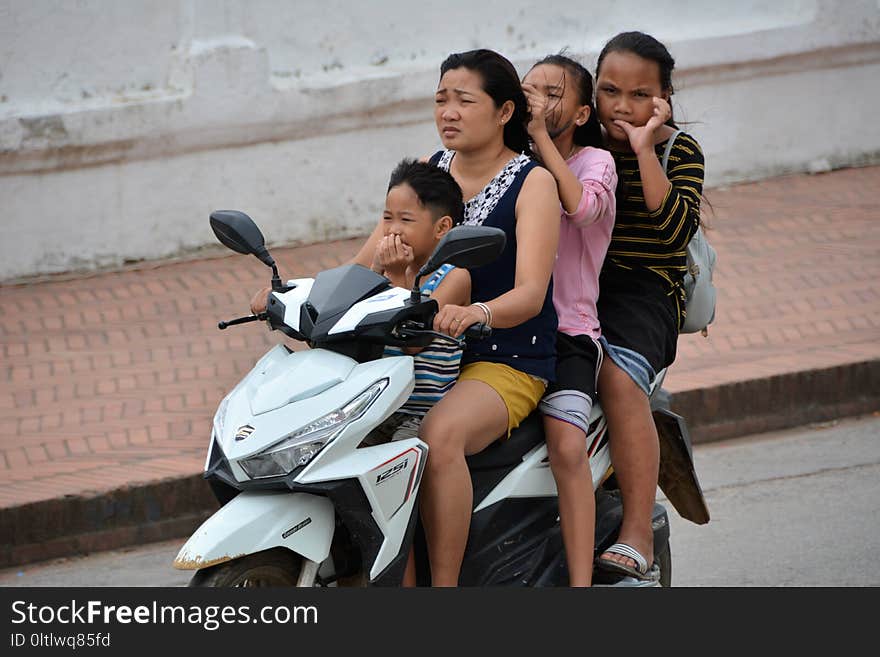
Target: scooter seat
<point x="504" y="453"/>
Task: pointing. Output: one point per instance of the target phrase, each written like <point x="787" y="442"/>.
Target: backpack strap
<point x="668" y="150"/>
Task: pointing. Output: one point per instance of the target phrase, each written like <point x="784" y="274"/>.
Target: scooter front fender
<point x="256" y="521"/>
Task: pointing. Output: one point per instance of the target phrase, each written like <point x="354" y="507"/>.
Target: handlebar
<point x="478" y="331"/>
<point x="407" y="328"/>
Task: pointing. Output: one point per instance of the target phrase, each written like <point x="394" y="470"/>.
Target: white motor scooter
<point x="310" y="497"/>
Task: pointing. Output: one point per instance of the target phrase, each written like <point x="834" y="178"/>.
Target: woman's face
<point x="466" y="116"/>
<point x="625" y="87"/>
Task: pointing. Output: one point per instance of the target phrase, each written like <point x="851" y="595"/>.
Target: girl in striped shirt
<point x="641" y="299"/>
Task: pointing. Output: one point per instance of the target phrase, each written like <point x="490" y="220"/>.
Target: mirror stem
<point x="416" y="295"/>
<point x="276" y="280"/>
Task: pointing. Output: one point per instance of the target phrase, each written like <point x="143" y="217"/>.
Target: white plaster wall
<point x="123" y="124"/>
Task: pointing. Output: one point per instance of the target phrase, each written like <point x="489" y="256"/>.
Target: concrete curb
<point x="122" y="517"/>
<point x="779" y="402"/>
<point x="174" y="507"/>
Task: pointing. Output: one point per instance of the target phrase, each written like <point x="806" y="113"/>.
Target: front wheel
<point x="270" y="568"/>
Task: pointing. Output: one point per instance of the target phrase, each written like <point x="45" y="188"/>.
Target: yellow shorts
<point x="520" y="392"/>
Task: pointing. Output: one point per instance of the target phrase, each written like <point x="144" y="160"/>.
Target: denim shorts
<point x="633" y="363"/>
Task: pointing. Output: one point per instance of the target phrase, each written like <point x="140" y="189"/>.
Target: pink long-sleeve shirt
<point x="583" y="241"/>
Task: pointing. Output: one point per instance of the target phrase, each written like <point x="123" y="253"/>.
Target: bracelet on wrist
<point x="486" y="311"/>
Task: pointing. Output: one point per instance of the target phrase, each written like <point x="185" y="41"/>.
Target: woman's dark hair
<point x="436" y="188"/>
<point x="646" y="47"/>
<point x="590" y="133"/>
<point x="501" y="82"/>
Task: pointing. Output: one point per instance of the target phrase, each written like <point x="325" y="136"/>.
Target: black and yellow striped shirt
<point x="655" y="242"/>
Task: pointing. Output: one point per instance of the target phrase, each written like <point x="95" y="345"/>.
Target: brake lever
<point x="241" y="320"/>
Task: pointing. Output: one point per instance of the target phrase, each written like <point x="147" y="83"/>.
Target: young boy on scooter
<point x="422" y="204"/>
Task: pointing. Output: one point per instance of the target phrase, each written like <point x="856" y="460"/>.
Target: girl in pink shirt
<point x="567" y="138"/>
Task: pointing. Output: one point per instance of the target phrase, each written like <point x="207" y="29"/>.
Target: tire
<point x="664" y="560"/>
<point x="276" y="567"/>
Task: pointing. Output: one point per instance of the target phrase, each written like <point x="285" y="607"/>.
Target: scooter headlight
<point x="296" y="449"/>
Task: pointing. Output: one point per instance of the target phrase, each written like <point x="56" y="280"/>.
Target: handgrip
<point x="478" y="331"/>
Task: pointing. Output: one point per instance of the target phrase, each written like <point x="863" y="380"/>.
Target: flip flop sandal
<point x="624" y="550"/>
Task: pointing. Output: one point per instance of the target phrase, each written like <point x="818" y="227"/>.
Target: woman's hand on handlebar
<point x="454" y="320"/>
<point x="259" y="301"/>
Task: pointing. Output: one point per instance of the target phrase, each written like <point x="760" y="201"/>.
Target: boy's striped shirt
<point x="436" y="367"/>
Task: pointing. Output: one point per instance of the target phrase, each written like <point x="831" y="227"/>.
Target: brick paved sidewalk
<point x="111" y="380"/>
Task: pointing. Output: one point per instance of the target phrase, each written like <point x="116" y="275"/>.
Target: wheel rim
<point x="263" y="576"/>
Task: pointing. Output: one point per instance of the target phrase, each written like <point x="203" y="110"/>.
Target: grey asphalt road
<point x="794" y="508"/>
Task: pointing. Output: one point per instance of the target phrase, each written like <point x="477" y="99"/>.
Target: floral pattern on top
<point x="480" y="206"/>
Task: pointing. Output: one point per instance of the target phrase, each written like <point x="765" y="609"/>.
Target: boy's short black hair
<point x="436" y="188"/>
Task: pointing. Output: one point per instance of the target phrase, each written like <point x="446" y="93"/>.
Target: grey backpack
<point x="698" y="288"/>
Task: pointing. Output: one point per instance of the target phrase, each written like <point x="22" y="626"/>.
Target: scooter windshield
<point x="338" y="289"/>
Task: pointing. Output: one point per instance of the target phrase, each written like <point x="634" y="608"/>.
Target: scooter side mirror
<point x="466" y="246"/>
<point x="238" y="232"/>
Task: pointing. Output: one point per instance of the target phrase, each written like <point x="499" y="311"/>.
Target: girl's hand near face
<point x="537" y="109"/>
<point x="392" y="258"/>
<point x="643" y="138"/>
<point x="655" y="183"/>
